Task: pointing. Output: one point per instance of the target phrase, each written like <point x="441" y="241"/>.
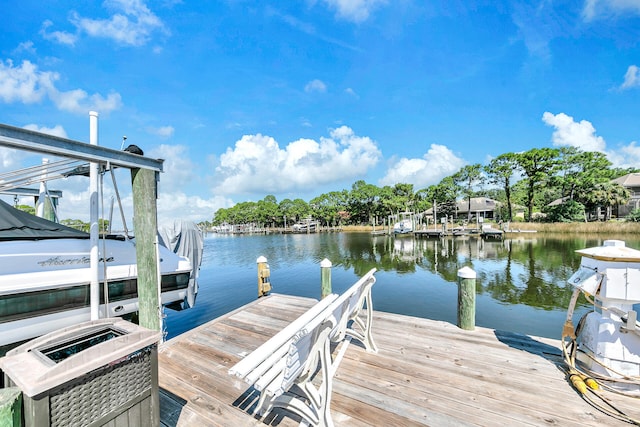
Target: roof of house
<point x="478" y="204"/>
<point x="629" y="180"/>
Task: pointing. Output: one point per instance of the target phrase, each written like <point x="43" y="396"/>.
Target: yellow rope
<point x="584" y="381"/>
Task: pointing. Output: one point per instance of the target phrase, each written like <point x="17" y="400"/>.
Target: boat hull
<point x="45" y="284"/>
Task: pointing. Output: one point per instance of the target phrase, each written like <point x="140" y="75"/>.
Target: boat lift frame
<point x="37" y="142"/>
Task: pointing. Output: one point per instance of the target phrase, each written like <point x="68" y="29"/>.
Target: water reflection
<point x="522" y="270"/>
<point x="521" y="280"/>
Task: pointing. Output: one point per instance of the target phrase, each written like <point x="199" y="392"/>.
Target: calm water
<point x="521" y="284"/>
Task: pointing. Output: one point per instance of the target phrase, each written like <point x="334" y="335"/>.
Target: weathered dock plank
<point x="425" y="373"/>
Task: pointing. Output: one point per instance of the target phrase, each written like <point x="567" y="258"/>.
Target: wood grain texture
<point x="426" y="373"/>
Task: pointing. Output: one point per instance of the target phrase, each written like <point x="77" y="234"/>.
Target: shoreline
<point x="610" y="227"/>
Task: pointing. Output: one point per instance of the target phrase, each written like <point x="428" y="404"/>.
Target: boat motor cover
<point x="185" y="239"/>
<point x="19" y="225"/>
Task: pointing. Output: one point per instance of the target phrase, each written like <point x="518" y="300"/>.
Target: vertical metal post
<point x="264" y="277"/>
<point x="325" y="278"/>
<point x="466" y="298"/>
<point x="93" y="221"/>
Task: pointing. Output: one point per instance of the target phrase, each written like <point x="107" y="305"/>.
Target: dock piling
<point x="11" y="407"/>
<point x="325" y="277"/>
<point x="264" y="277"/>
<point x="466" y="298"/>
<point x="145" y="222"/>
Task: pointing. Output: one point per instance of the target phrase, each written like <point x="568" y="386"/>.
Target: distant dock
<point x="426" y="373"/>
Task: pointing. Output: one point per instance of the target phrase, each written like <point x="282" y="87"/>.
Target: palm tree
<point x="607" y="195"/>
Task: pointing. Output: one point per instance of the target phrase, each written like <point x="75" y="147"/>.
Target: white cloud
<point x="354" y="10"/>
<point x="178" y="205"/>
<point x="257" y="163"/>
<point x="595" y="9"/>
<point x="57" y="130"/>
<point x="132" y="23"/>
<point x="582" y="135"/>
<point x="178" y="169"/>
<point x="631" y="78"/>
<point x="23" y="83"/>
<point x="570" y="133"/>
<point x="26" y="84"/>
<point x="434" y="165"/>
<point x="351" y="92"/>
<point x="10" y="158"/>
<point x="162" y="131"/>
<point x="315" y="86"/>
<point x="26" y="47"/>
<point x="626" y="157"/>
<point x="60" y="37"/>
<point x="173" y="201"/>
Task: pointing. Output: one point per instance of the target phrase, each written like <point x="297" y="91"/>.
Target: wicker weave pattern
<point x="81" y="402"/>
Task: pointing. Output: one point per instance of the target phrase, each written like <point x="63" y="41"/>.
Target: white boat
<point x="306" y="226"/>
<point x="405" y="224"/>
<point x="45" y="276"/>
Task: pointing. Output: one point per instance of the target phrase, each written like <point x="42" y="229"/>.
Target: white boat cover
<point x="185" y="238"/>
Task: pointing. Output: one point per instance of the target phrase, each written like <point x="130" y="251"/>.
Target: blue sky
<point x="298" y="98"/>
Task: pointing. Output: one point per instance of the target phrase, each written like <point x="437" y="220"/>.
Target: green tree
<point x="326" y="207"/>
<point x="300" y="209"/>
<point x="404" y="195"/>
<point x="500" y="172"/>
<point x="537" y="165"/>
<point x="285" y="207"/>
<point x="268" y="212"/>
<point x="444" y="195"/>
<point x="634" y="215"/>
<point x="608" y="195"/>
<point x="468" y="178"/>
<point x="580" y="171"/>
<point x="422" y="200"/>
<point x="363" y="198"/>
<point x="570" y="211"/>
<point x="26" y="208"/>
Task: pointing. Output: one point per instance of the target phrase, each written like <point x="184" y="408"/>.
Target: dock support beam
<point x="145" y="223"/>
<point x="466" y="299"/>
<point x="325" y="278"/>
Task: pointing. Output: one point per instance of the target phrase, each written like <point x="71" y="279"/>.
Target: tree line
<point x="532" y="179"/>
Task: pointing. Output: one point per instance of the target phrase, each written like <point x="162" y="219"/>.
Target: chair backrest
<point x="349" y="304"/>
<point x="304" y="351"/>
<point x="256" y="358"/>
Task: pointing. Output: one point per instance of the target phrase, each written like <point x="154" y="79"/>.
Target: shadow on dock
<point x="526" y="343"/>
<point x="426" y="373"/>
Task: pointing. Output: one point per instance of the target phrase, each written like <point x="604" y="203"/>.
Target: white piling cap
<point x="325" y="263"/>
<point x="261" y="259"/>
<point x="466" y="273"/>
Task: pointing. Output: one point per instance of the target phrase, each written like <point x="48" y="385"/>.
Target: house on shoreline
<point x="481" y="207"/>
<point x="631" y="182"/>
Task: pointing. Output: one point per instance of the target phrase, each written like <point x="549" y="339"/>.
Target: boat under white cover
<point x="45" y="276"/>
<point x="405" y="224"/>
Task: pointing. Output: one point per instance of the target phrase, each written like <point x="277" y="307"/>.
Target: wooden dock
<point x="426" y="373"/>
<point x="429" y="233"/>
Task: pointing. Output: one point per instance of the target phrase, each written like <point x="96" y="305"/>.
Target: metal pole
<point x="93" y="221"/>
